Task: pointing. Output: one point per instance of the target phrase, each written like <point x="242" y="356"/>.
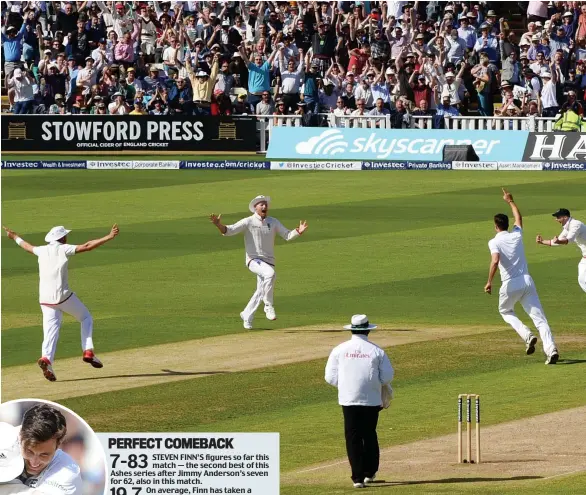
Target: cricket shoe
<point x="369" y="479"/>
<point x="530" y="346"/>
<point x="270" y="312"/>
<point x="553" y="357"/>
<point x="90" y="357"/>
<point x="247" y="321"/>
<point x="359" y="485"/>
<point x="45" y="365"/>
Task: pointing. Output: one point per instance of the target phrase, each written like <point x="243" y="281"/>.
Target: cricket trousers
<point x="53" y="318"/>
<point x="522" y="290"/>
<point x="582" y="273"/>
<point x="265" y="285"/>
<point x="361" y="440"/>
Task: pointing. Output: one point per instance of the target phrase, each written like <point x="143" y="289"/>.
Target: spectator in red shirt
<point x="358" y="59"/>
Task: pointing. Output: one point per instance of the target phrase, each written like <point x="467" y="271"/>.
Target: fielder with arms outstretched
<point x="259" y="241"/>
<point x="508" y="254"/>
<point x="55" y="296"/>
<point x="573" y="231"/>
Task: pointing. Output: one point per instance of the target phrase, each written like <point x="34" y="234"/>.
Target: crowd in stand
<point x="278" y="58"/>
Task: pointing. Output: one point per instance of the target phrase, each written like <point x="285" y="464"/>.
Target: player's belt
<point x="57" y="304"/>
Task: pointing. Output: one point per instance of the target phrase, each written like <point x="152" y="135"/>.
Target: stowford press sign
<point x="112" y="133"/>
<point x="75" y="133"/>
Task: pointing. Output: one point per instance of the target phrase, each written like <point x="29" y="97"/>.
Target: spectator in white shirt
<point x="548" y="94"/>
<point x="55" y="297"/>
<point x="22" y="83"/>
<point x="573" y="231"/>
<point x="103" y="56"/>
<point x="362" y="373"/>
<point x="340" y="111"/>
<point x="87" y="76"/>
<point x="364" y="91"/>
<point x="291" y="79"/>
<point x="131" y="79"/>
<point x="508" y="255"/>
<point x="259" y="241"/>
<point x="118" y="106"/>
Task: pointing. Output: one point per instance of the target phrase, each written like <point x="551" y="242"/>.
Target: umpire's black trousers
<point x="361" y="440"/>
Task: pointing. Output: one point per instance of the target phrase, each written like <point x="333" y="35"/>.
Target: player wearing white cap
<point x="573" y="231"/>
<point x="259" y="241"/>
<point x="508" y="255"/>
<point x="56" y="297"/>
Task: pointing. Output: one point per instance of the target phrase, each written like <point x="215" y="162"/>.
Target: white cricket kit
<point x="15" y="488"/>
<point x="61" y="477"/>
<point x="518" y="286"/>
<point x="259" y="243"/>
<point x="56" y="297"/>
<point x="53" y="276"/>
<point x="575" y="231"/>
<point x="259" y="236"/>
<point x="359" y="369"/>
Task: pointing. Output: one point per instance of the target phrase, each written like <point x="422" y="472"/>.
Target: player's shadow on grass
<point x="571" y="361"/>
<point x="342" y="330"/>
<point x="140" y="375"/>
<point x="383" y="483"/>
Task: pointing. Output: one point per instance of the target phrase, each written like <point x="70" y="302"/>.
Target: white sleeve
<point x="238" y="227"/>
<point x="38" y="250"/>
<point x="285" y="233"/>
<point x="331" y="375"/>
<point x="386" y="371"/>
<point x="70" y="484"/>
<point x="516" y="228"/>
<point x="571" y="233"/>
<point x="493" y="247"/>
<point x="69" y="249"/>
<point x="16" y="489"/>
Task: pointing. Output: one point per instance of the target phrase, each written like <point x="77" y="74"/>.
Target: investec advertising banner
<point x="116" y="133"/>
<point x="427" y="145"/>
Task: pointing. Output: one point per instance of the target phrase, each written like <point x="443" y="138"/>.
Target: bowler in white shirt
<point x="259" y="242"/>
<point x="508" y="255"/>
<point x="55" y="296"/>
<point x="361" y="371"/>
<point x="573" y="231"/>
<point x="46" y="467"/>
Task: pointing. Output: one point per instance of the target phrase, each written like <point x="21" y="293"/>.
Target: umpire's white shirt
<point x="61" y="477"/>
<point x="575" y="231"/>
<point x="509" y="245"/>
<point x="53" y="277"/>
<point x="359" y="368"/>
<point x="259" y="236"/>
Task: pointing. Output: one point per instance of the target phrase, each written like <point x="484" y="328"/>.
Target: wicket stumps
<point x="469" y="398"/>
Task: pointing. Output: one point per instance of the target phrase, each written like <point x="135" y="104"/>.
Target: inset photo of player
<point x="47" y="449"/>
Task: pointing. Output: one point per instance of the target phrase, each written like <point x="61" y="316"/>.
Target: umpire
<point x="361" y="370"/>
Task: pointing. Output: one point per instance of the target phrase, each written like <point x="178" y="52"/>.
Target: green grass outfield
<point x="407" y="248"/>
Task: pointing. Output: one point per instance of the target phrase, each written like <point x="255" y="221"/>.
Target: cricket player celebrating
<point x="55" y="296"/>
<point x="46" y="467"/>
<point x="508" y="254"/>
<point x="259" y="241"/>
<point x="573" y="231"/>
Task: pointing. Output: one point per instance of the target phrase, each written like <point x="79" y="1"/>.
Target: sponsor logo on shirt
<point x="356" y="355"/>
